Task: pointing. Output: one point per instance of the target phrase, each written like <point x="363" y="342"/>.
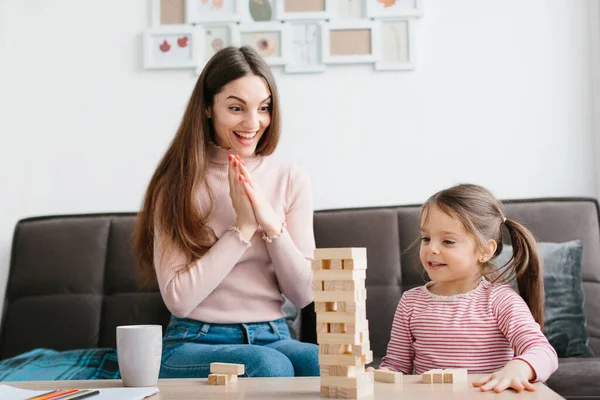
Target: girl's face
<point x="448" y="253"/>
<point x="240" y="114"/>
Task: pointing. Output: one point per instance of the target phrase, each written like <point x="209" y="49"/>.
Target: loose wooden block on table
<point x="455" y="375"/>
<point x="221" y="379"/>
<point x="226" y="368"/>
<point x="387" y="376"/>
<point x="433" y="376"/>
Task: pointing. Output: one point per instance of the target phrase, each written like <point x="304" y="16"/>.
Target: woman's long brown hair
<point x="170" y="199"/>
<point x="482" y="216"/>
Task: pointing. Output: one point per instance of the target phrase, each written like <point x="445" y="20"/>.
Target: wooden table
<point x="297" y="389"/>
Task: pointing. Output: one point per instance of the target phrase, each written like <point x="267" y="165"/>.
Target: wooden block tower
<point x="342" y="327"/>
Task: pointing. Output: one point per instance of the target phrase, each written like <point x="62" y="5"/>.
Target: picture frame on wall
<point x="267" y="38"/>
<point x="347" y="9"/>
<point x="303" y="52"/>
<point x="347" y="42"/>
<point x="393" y="8"/>
<point x="397" y="44"/>
<point x="287" y="10"/>
<point x="167" y="12"/>
<point x="259" y="10"/>
<point x="171" y="46"/>
<point x="212" y="38"/>
<point x="201" y="11"/>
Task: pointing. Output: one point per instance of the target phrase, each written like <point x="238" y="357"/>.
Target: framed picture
<point x="266" y="38"/>
<point x="200" y="11"/>
<point x="171" y="46"/>
<point x="258" y="10"/>
<point x="167" y="12"/>
<point x="393" y="8"/>
<point x="303" y="9"/>
<point x="212" y="38"/>
<point x="349" y="42"/>
<point x="397" y="44"/>
<point x="347" y="9"/>
<point x="303" y="52"/>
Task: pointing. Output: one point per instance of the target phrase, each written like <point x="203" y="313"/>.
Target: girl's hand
<point x="265" y="215"/>
<point x="516" y="374"/>
<point x="245" y="218"/>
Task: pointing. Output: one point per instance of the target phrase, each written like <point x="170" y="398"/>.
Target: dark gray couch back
<point x="72" y="278"/>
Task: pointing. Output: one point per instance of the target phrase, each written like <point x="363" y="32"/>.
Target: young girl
<point x="226" y="230"/>
<point x="464" y="317"/>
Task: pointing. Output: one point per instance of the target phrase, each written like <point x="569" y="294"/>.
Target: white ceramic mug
<point x="139" y="349"/>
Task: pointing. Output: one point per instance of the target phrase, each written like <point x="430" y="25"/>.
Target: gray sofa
<point x="74" y="275"/>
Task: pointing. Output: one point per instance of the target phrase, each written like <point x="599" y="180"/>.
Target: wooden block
<point x="354" y="264"/>
<point x="341" y="317"/>
<point x="317" y="286"/>
<point x="340" y="338"/>
<point x="358" y="327"/>
<point x="345" y="382"/>
<point x="322" y="328"/>
<point x="341" y="253"/>
<point x="329" y="286"/>
<point x="341" y="370"/>
<point x="368" y="357"/>
<point x="322" y="307"/>
<point x="337" y="328"/>
<point x="325" y="391"/>
<point x="455" y="375"/>
<point x="341" y="360"/>
<point x="433" y="376"/>
<point x="387" y="376"/>
<point x="339" y="275"/>
<point x="336" y="265"/>
<point x="349" y="285"/>
<point x="351" y="306"/>
<point x="316" y="265"/>
<point x="221" y="379"/>
<point x="226" y="368"/>
<point x="361" y="349"/>
<point x="358" y="393"/>
<point x="331" y="295"/>
<point x="333" y="349"/>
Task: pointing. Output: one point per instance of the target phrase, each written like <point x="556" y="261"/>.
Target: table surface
<point x="297" y="389"/>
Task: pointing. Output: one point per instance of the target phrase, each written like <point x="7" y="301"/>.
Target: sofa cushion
<point x="59" y="322"/>
<point x="577" y="378"/>
<point x="564" y="317"/>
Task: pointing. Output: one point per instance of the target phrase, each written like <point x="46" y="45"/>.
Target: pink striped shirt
<point x="481" y="331"/>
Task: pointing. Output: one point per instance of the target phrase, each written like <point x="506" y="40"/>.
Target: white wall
<point x="501" y="96"/>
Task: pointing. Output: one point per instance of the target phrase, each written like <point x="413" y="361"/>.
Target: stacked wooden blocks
<point x="342" y="327"/>
<point x="224" y="373"/>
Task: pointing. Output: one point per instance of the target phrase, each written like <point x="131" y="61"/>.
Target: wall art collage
<point x="302" y="36"/>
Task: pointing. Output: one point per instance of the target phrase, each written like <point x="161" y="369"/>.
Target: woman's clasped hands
<point x="251" y="206"/>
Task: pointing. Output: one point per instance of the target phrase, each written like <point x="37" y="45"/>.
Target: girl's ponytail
<point x="527" y="267"/>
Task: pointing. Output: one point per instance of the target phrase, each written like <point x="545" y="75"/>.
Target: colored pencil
<point x="80" y="394"/>
<point x="52" y="395"/>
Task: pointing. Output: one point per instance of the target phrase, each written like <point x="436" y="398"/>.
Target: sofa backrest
<point x="72" y="278"/>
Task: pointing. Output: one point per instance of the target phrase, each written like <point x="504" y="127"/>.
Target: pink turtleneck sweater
<point x="238" y="281"/>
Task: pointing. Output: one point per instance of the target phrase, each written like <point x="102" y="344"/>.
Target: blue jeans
<point x="265" y="349"/>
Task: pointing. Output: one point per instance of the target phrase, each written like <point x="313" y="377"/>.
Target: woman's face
<point x="240" y="114"/>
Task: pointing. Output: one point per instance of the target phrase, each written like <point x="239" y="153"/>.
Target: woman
<point x="226" y="230"/>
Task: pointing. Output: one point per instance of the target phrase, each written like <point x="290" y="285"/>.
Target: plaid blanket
<point x="47" y="365"/>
